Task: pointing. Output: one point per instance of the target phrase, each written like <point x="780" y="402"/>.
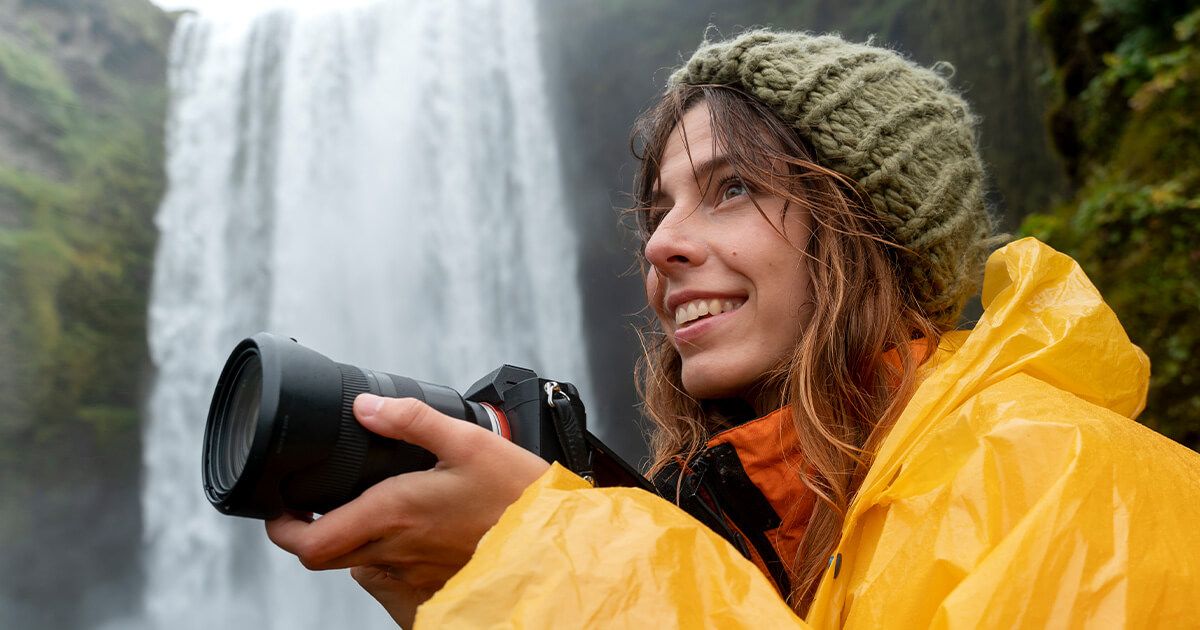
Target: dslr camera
<point x="281" y="433"/>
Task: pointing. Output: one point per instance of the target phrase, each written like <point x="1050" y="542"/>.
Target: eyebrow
<point x="701" y="171"/>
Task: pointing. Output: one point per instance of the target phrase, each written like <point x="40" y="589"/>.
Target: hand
<point x="397" y="597"/>
<point x="408" y="534"/>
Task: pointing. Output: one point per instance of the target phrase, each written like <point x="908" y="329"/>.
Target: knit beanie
<point x="895" y="128"/>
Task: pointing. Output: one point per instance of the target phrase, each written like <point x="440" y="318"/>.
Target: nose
<point x="676" y="244"/>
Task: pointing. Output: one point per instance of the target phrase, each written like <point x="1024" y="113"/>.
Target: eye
<point x="733" y="187"/>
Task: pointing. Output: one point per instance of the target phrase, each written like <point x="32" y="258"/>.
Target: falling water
<point x="378" y="181"/>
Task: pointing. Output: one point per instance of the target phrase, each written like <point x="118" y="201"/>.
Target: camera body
<point x="281" y="432"/>
<point x="523" y="399"/>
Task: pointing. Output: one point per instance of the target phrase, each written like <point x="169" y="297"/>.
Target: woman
<point x="813" y="222"/>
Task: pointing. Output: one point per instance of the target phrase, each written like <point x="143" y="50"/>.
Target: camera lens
<point x="242" y="420"/>
<point x="281" y="431"/>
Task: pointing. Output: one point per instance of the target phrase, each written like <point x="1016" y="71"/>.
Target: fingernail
<point x="368" y="405"/>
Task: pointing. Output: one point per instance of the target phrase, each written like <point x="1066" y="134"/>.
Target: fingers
<point x="376" y="525"/>
<point x="379" y="579"/>
<point x="398" y="548"/>
<point x="426" y="517"/>
<point x="326" y="542"/>
<point x="343" y="537"/>
<point x="398" y="597"/>
<point x="370" y="576"/>
<point x="417" y="423"/>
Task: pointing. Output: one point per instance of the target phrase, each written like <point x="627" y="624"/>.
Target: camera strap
<point x="569" y="425"/>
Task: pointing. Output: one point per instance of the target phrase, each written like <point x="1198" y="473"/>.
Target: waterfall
<point x="379" y="181"/>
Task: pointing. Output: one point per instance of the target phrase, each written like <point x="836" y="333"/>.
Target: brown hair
<point x="843" y="395"/>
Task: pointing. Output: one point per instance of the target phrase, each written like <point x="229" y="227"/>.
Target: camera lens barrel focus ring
<point x="343" y="470"/>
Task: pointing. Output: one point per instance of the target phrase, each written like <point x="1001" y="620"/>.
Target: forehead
<point x="690" y="145"/>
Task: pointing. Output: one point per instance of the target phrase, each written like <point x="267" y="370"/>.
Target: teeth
<point x="696" y="309"/>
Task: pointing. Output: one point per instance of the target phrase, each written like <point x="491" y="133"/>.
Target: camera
<point x="281" y="432"/>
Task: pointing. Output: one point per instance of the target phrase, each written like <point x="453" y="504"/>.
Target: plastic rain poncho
<point x="1014" y="490"/>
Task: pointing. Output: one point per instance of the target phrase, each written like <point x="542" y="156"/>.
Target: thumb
<point x="414" y="422"/>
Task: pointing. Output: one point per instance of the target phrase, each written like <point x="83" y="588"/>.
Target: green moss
<point x="81" y="269"/>
<point x="1129" y="78"/>
<point x="37" y="34"/>
<point x="35" y="77"/>
<point x="75" y="265"/>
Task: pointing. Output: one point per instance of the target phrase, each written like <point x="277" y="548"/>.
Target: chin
<point x="711" y="384"/>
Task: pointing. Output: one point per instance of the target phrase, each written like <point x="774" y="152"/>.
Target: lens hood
<point x="293" y="425"/>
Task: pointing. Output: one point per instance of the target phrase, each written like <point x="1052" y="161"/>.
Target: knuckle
<point x="366" y="574"/>
<point x="407" y="406"/>
<point x="420" y="414"/>
<point x="410" y="412"/>
<point x="312" y="555"/>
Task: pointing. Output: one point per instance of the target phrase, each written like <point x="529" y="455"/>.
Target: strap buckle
<point x="569" y="427"/>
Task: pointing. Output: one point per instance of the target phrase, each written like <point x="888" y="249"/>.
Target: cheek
<point x="791" y="294"/>
<point x="784" y="290"/>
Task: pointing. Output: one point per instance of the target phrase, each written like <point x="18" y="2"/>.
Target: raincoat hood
<point x="1013" y="490"/>
<point x="1014" y="429"/>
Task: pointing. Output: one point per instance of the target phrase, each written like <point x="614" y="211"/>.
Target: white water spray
<point x="379" y="182"/>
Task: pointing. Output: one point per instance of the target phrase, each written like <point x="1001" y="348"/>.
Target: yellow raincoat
<point x="1015" y="490"/>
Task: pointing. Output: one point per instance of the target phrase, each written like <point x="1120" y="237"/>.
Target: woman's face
<point x="726" y="285"/>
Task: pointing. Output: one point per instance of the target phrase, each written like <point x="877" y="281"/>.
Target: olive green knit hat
<point x="894" y="127"/>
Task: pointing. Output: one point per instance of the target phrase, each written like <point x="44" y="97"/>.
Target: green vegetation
<point x="80" y="179"/>
<point x="77" y="265"/>
<point x="1128" y="127"/>
<point x="35" y="77"/>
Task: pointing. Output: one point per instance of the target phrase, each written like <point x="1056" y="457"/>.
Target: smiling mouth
<point x="696" y="310"/>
